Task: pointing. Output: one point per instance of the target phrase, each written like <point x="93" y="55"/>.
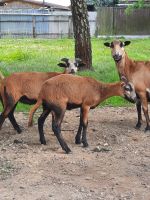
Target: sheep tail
<point x="1" y="76"/>
<point x="7" y="99"/>
<point x="32" y="111"/>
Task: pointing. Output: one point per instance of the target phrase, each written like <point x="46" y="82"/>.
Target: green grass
<point x="43" y="55"/>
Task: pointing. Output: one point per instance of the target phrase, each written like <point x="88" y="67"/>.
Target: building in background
<point x="39" y="19"/>
<point x="31" y="5"/>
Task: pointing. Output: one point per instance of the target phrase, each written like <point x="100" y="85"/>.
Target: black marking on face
<point x="121" y="44"/>
<point x="112" y="45"/>
<point x="62" y="65"/>
<point x="132" y="96"/>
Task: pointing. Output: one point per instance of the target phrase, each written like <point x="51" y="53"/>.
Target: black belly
<point x="26" y="100"/>
<point x="148" y="96"/>
<point x="71" y="106"/>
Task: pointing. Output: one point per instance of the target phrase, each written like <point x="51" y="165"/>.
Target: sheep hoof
<point x="19" y="131"/>
<point x="85" y="145"/>
<point x="78" y="141"/>
<point x="138" y="126"/>
<point x="43" y="142"/>
<point x="147" y="128"/>
<point x="67" y="150"/>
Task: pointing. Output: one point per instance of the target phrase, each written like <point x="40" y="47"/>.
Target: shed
<point x="31" y="4"/>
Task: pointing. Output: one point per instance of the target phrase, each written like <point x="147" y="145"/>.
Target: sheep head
<point x="117" y="49"/>
<point x="129" y="90"/>
<point x="71" y="66"/>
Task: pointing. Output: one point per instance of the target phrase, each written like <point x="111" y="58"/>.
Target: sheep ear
<point x="126" y="43"/>
<point x="107" y="44"/>
<point x="62" y="65"/>
<point x="65" y="60"/>
<point x="123" y="84"/>
<point x="78" y="60"/>
<point x="124" y="79"/>
<point x="82" y="64"/>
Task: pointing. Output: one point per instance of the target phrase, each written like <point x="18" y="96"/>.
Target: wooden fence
<point x="106" y="21"/>
<point x="114" y="21"/>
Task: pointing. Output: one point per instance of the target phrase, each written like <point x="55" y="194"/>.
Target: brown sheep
<point x="137" y="72"/>
<point x="1" y="78"/>
<point x="25" y="86"/>
<point x="66" y="92"/>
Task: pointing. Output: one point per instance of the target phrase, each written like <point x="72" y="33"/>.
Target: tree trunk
<point x="81" y="32"/>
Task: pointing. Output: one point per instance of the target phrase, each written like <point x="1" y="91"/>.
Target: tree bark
<point x="81" y="32"/>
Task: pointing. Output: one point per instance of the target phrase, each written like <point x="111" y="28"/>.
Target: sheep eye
<point x="76" y="64"/>
<point x="128" y="88"/>
<point x="112" y="45"/>
<point x="121" y="44"/>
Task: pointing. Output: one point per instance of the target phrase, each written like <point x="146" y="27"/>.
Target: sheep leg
<point x="56" y="126"/>
<point x="145" y="110"/>
<point x="147" y="119"/>
<point x="78" y="135"/>
<point x="85" y="125"/>
<point x="41" y="121"/>
<point x="4" y="115"/>
<point x="14" y="123"/>
<point x="32" y="111"/>
<point x="13" y="120"/>
<point x="139" y="122"/>
<point x="84" y="138"/>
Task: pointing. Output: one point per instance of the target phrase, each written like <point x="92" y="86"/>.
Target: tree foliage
<point x="136" y="5"/>
<point x="100" y="3"/>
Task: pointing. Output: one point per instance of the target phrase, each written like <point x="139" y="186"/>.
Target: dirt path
<point x="120" y="171"/>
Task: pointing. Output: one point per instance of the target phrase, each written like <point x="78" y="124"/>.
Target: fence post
<point x="33" y="27"/>
<point x="0" y="27"/>
<point x="113" y="28"/>
<point x="70" y="26"/>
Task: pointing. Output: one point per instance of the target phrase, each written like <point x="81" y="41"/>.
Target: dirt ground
<point x="115" y="166"/>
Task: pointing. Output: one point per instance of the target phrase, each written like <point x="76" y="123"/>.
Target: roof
<point x="40" y="3"/>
